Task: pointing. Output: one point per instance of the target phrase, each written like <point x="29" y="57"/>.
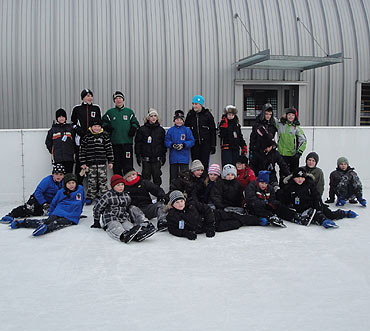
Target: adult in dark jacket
<point x="190" y="218"/>
<point x="150" y="149"/>
<point x="60" y="141"/>
<point x="232" y="140"/>
<point x="266" y="158"/>
<point x="81" y="118"/>
<point x="265" y="125"/>
<point x="202" y="125"/>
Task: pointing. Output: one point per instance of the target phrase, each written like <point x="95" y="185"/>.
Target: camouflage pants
<point x="96" y="181"/>
<point x="349" y="187"/>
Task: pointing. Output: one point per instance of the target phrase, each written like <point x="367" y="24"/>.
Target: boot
<point x="127" y="236"/>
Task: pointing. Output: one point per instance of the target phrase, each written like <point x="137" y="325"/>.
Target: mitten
<point x="163" y="160"/>
<point x="244" y="150"/>
<point x="213" y="150"/>
<point x="297" y="156"/>
<point x="138" y="160"/>
<point x="340" y="202"/>
<point x="362" y="202"/>
<point x="45" y="208"/>
<point x="210" y="233"/>
<point x="132" y="131"/>
<point x="191" y="235"/>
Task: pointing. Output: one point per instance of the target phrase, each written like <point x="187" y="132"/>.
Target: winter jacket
<point x="179" y="135"/>
<point x="231" y="134"/>
<point x="60" y="142"/>
<point x="202" y="125"/>
<point x="47" y="189"/>
<point x="140" y="189"/>
<point x="149" y="142"/>
<point x="319" y="178"/>
<point x="122" y="124"/>
<point x="300" y="197"/>
<point x="292" y="139"/>
<point x="245" y="176"/>
<point x="227" y="193"/>
<point x="267" y="161"/>
<point x="196" y="216"/>
<point x="113" y="206"/>
<point x="349" y="177"/>
<point x="96" y="148"/>
<point x="81" y="117"/>
<point x="260" y="130"/>
<point x="187" y="183"/>
<point x="68" y="205"/>
<point x="257" y="198"/>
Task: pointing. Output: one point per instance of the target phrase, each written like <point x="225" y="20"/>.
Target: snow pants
<point x="53" y="223"/>
<point x="225" y="221"/>
<point x="30" y="208"/>
<point x="152" y="169"/>
<point x="123" y="158"/>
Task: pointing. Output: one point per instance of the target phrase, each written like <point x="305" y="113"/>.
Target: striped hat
<point x="214" y="169"/>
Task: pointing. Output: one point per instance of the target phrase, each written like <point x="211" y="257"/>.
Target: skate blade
<point x="311" y="218"/>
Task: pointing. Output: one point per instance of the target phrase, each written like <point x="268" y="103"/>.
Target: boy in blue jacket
<point x="39" y="202"/>
<point x="65" y="209"/>
<point x="179" y="139"/>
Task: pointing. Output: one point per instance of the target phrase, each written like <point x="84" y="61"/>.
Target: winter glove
<point x="264" y="221"/>
<point x="79" y="131"/>
<point x="329" y="200"/>
<point x="362" y="202"/>
<point x="213" y="150"/>
<point x="138" y="160"/>
<point x="180" y="147"/>
<point x="210" y="233"/>
<point x="244" y="150"/>
<point x="340" y="202"/>
<point x="297" y="156"/>
<point x="45" y="208"/>
<point x="224" y="123"/>
<point x="96" y="225"/>
<point x="132" y="131"/>
<point x="163" y="160"/>
<point x="191" y="235"/>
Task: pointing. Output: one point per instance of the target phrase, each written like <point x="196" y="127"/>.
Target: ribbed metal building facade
<point x="162" y="52"/>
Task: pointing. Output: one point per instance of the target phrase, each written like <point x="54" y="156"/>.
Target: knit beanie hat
<point x="231" y="109"/>
<point x="228" y="169"/>
<point x="116" y="179"/>
<point x="341" y="160"/>
<point x="152" y="112"/>
<point x="58" y="169"/>
<point x="176" y="195"/>
<point x="196" y="165"/>
<point x="118" y="94"/>
<point x="179" y="114"/>
<point x="95" y="121"/>
<point x="198" y="99"/>
<point x="242" y="159"/>
<point x="70" y="177"/>
<point x="263" y="176"/>
<point x="85" y="92"/>
<point x="60" y="112"/>
<point x="299" y="172"/>
<point x="129" y="172"/>
<point x="314" y="156"/>
<point x="214" y="169"/>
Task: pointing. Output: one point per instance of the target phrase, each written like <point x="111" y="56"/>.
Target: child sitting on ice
<point x="39" y="202"/>
<point x="214" y="172"/>
<point x="65" y="209"/>
<point x="312" y="159"/>
<point x="122" y="220"/>
<point x="345" y="184"/>
<point x="244" y="174"/>
<point x="189" y="218"/>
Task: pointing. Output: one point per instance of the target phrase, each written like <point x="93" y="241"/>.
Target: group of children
<point x="202" y="198"/>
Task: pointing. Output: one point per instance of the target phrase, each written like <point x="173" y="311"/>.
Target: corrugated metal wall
<point x="162" y="52"/>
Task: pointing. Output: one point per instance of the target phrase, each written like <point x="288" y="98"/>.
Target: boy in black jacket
<point x="95" y="150"/>
<point x="150" y="149"/>
<point x="202" y="125"/>
<point x="60" y="141"/>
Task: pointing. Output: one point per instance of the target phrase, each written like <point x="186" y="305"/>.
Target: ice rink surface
<point x="254" y="278"/>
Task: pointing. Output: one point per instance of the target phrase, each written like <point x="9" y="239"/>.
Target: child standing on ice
<point x="65" y="209"/>
<point x="120" y="219"/>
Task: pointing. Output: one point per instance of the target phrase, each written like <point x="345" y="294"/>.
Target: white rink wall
<point x="25" y="159"/>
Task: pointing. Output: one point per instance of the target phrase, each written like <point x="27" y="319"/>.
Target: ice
<point x="254" y="278"/>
